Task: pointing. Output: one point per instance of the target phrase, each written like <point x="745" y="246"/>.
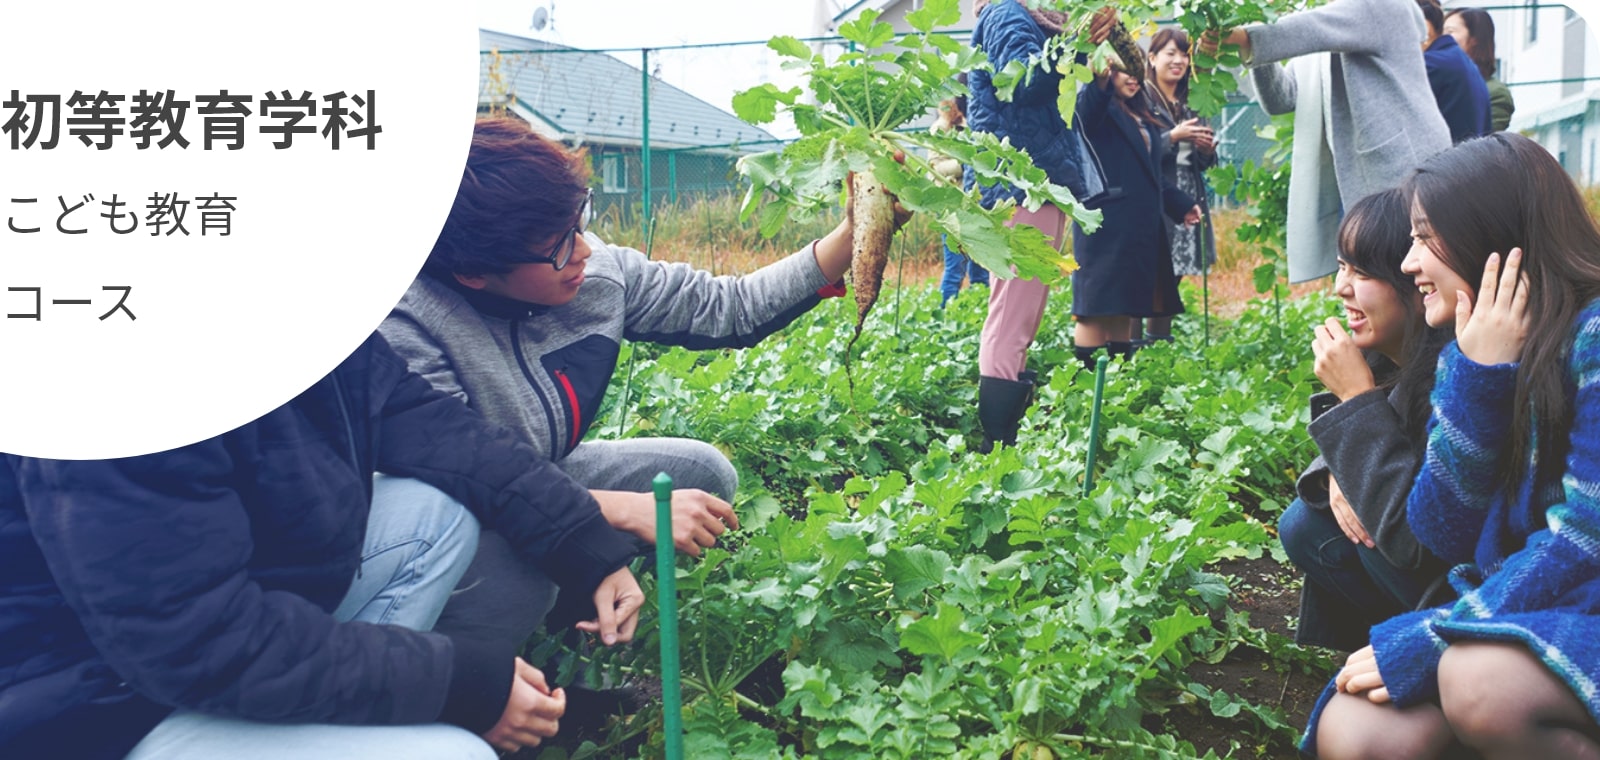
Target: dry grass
<point x="707" y="232"/>
<point x="1591" y="199"/>
<point x="1232" y="280"/>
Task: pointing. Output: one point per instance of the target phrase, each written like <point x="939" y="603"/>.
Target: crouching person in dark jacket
<point x="261" y="594"/>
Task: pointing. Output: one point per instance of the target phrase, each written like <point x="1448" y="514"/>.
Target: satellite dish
<point x="543" y="24"/>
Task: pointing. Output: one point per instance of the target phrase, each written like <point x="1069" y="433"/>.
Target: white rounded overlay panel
<point x="152" y="297"/>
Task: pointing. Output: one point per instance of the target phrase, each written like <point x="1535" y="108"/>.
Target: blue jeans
<point x="1358" y="585"/>
<point x="957" y="266"/>
<point x="418" y="543"/>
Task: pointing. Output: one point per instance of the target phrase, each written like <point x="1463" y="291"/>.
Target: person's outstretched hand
<point x="1100" y="26"/>
<point x="698" y="518"/>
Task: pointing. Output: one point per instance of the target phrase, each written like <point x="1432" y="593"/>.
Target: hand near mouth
<point x="1339" y="363"/>
<point x="1495" y="329"/>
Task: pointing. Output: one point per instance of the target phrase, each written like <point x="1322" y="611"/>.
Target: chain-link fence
<point x="606" y="105"/>
<point x="678" y="145"/>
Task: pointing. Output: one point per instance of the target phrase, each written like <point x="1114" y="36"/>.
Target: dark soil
<point x="1264" y="590"/>
<point x="591" y="714"/>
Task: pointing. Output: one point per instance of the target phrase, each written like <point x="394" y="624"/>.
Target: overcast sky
<point x="712" y="74"/>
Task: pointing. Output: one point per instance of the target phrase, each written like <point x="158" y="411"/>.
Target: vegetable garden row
<point x="895" y="594"/>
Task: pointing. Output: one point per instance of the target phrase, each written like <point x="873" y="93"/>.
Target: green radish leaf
<point x="866" y="32"/>
<point x="1007" y="79"/>
<point x="934" y="14"/>
<point x="1168" y="631"/>
<point x="939" y="635"/>
<point x="915" y="569"/>
<point x="1265" y="276"/>
<point x="759" y="104"/>
<point x="789" y="46"/>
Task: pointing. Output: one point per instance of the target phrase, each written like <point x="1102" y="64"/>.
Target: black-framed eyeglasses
<point x="559" y="255"/>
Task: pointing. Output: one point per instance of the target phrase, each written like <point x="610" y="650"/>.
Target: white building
<point x="1549" y="59"/>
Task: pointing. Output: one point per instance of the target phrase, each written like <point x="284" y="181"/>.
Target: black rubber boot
<point x="1120" y="349"/>
<point x="1032" y="379"/>
<point x="1000" y="406"/>
<point x="1085" y="355"/>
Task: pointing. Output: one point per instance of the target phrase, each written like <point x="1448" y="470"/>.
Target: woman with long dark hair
<point x="1190" y="151"/>
<point x="1505" y="251"/>
<point x="1473" y="29"/>
<point x="1347" y="529"/>
<point x="1125" y="267"/>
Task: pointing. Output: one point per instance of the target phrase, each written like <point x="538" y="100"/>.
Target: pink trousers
<point x="1017" y="305"/>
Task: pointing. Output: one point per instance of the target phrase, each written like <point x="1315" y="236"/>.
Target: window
<point x="613" y="173"/>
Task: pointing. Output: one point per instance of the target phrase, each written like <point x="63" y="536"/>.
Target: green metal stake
<point x="667" y="602"/>
<point x="1208" y="244"/>
<point x="672" y="176"/>
<point x="1094" y="422"/>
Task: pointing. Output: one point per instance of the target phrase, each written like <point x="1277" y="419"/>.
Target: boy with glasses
<point x="520" y="313"/>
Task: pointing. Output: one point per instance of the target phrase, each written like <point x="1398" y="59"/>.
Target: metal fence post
<point x="644" y="142"/>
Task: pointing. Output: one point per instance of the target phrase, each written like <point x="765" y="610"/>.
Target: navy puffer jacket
<point x="204" y="577"/>
<point x="1005" y="32"/>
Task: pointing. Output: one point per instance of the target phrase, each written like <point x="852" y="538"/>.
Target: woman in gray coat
<point x="1363" y="113"/>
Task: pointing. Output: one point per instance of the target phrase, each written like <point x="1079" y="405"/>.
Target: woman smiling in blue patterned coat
<point x="1504" y="250"/>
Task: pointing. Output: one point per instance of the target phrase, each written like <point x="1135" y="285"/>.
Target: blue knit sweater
<point x="1529" y="557"/>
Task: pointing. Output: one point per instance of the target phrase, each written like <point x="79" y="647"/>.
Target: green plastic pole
<point x="1094" y="422"/>
<point x="667" y="602"/>
<point x="1207" y="245"/>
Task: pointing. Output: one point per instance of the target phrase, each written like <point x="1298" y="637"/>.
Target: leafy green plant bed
<point x="895" y="594"/>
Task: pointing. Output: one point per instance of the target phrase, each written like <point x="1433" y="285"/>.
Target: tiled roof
<point x="596" y="97"/>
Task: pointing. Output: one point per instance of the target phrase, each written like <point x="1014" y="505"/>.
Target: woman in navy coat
<point x="1125" y="267"/>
